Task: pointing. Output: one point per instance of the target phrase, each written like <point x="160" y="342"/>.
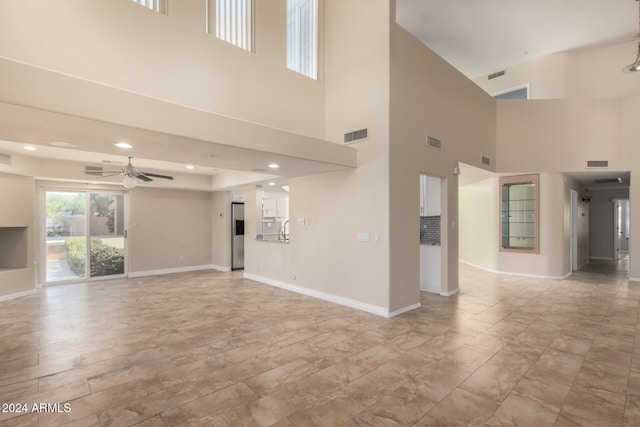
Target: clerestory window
<point x="302" y="37"/>
<point x="233" y="22"/>
<point x="159" y="6"/>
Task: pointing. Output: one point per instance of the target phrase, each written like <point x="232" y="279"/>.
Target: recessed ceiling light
<point x="274" y="166"/>
<point x="272" y="183"/>
<point x="29" y="148"/>
<point x="123" y="145"/>
<point x="190" y="167"/>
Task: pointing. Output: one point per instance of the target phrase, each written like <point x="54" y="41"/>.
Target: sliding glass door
<point x="85" y="235"/>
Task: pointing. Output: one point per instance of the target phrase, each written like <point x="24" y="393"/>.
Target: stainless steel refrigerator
<point x="237" y="236"/>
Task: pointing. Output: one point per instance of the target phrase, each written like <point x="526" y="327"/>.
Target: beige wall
<point x="583" y="225"/>
<point x="429" y="97"/>
<point x="479" y="221"/>
<point x="561" y="135"/>
<point x="17" y="210"/>
<point x="127" y="46"/>
<point x="601" y="231"/>
<point x="169" y="229"/>
<point x="221" y="229"/>
<point x="479" y="218"/>
<point x="323" y="254"/>
<point x="584" y="73"/>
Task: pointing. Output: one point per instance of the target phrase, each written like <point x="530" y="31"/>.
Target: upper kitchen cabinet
<point x="275" y="207"/>
<point x="429" y="196"/>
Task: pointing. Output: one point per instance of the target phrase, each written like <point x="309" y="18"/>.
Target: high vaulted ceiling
<point x="482" y="37"/>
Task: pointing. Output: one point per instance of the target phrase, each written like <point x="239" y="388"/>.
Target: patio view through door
<point x="85" y="235"/>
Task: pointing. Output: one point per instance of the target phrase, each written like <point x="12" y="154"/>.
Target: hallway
<point x="198" y="348"/>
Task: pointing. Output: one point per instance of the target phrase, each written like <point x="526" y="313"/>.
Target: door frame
<point x="42" y="234"/>
<point x="573" y="246"/>
<point x="619" y="235"/>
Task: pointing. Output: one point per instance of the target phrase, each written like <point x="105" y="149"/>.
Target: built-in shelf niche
<point x="13" y="248"/>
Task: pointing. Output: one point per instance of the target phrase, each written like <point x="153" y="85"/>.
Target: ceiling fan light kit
<point x="129" y="174"/>
<point x="129" y="182"/>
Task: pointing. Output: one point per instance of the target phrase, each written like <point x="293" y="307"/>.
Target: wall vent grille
<point x="597" y="163"/>
<point x="434" y="143"/>
<point x="486" y="161"/>
<point x="357" y="135"/>
<point x="93" y="170"/>
<point x="5" y="159"/>
<point x="498" y="74"/>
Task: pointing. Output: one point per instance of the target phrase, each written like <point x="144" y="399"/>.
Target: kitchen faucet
<point x="284" y="230"/>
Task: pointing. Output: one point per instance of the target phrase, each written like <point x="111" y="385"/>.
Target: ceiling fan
<point x="129" y="173"/>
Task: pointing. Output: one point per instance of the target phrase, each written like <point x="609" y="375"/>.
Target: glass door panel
<point x="107" y="234"/>
<point x="66" y="235"/>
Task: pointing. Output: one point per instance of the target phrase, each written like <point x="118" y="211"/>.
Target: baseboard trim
<point x="450" y="293"/>
<point x="17" y="295"/>
<point x="603" y="258"/>
<point x="172" y="270"/>
<point x="219" y="268"/>
<point x="634" y="279"/>
<point x="510" y="273"/>
<point x="404" y="310"/>
<point x="358" y="305"/>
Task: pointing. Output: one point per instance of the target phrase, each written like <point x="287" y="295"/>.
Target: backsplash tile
<point x="430" y="230"/>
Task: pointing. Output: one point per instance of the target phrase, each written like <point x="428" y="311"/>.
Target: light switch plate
<point x="363" y="237"/>
<point x="300" y="221"/>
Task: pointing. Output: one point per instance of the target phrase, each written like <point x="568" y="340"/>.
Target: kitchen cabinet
<point x="429" y="196"/>
<point x="268" y="208"/>
<point x="282" y="207"/>
<point x="276" y="207"/>
<point x="423" y="194"/>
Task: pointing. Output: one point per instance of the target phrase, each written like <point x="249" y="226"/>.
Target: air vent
<point x="608" y="181"/>
<point x="357" y="135"/>
<point x="5" y="159"/>
<point x="498" y="74"/>
<point x="93" y="170"/>
<point x="597" y="163"/>
<point x="486" y="161"/>
<point x="434" y="143"/>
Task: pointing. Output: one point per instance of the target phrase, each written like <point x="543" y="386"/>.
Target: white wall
<point x="584" y="73"/>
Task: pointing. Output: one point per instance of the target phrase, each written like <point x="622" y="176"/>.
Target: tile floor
<point x="214" y="349"/>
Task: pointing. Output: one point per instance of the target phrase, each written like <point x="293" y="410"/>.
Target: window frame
<point x="505" y="183"/>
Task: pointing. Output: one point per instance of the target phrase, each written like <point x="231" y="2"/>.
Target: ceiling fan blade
<point x="155" y="175"/>
<point x="93" y="172"/>
<point x="143" y="177"/>
<point x="103" y="176"/>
